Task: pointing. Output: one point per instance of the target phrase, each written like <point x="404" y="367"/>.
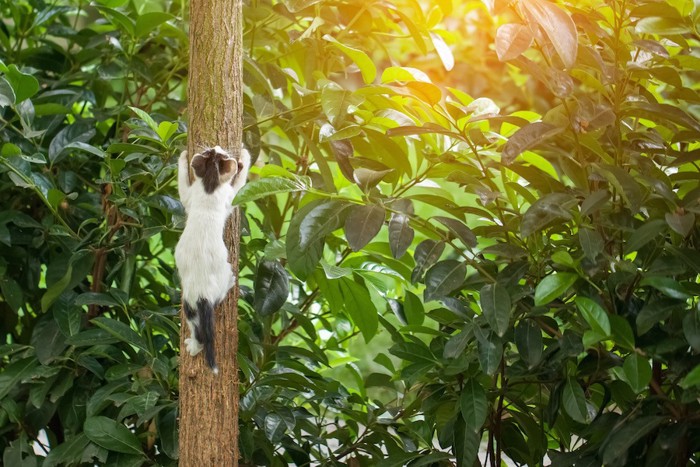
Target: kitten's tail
<point x="205" y="310"/>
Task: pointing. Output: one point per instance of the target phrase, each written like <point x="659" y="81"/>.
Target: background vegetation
<point x="470" y="223"/>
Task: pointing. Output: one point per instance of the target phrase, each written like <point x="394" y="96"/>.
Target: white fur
<point x="201" y="255"/>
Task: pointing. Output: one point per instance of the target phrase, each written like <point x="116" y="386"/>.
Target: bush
<point x="467" y="224"/>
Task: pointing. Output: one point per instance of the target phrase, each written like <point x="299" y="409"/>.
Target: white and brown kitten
<point x="201" y="255"/>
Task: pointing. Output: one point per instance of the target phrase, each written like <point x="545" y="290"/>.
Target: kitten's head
<point x="215" y="167"/>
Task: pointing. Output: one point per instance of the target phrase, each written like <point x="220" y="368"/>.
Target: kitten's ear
<point x="226" y="166"/>
<point x="199" y="165"/>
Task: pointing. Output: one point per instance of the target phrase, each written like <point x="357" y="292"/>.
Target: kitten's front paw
<point x="244" y="159"/>
<point x="193" y="346"/>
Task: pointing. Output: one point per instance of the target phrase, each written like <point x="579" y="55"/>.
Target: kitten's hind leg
<point x="192" y="345"/>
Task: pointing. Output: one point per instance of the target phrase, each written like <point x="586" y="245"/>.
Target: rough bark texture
<point x="208" y="403"/>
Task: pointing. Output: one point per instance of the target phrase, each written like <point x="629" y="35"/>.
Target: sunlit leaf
<point x="512" y="40"/>
<point x="557" y="25"/>
<point x="361" y="59"/>
<point x="526" y="138"/>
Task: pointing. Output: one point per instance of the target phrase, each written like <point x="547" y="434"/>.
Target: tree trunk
<point x="209" y="403"/>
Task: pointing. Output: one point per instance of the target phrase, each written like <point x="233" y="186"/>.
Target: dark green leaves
<point x="526" y="138"/>
<point x="443" y="278"/>
<point x="400" y="234"/>
<point x="359" y="306"/>
<point x="473" y="405"/>
<point x="546" y="211"/>
<point x="307" y="233"/>
<point x="495" y="305"/>
<point x="111" y="435"/>
<point x="271" y="287"/>
<point x="362" y="224"/>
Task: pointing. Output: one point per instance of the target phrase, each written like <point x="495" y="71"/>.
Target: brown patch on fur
<point x="214" y="168"/>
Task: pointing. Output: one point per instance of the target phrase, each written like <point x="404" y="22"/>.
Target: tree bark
<point x="208" y="433"/>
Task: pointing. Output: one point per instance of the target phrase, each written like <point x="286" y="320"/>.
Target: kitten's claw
<point x="193" y="346"/>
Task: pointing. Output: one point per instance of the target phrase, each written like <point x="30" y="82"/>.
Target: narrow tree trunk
<point x="209" y="403"/>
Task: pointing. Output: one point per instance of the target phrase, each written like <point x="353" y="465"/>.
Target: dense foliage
<point x="469" y="224"/>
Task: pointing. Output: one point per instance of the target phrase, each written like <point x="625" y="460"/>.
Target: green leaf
<point x="622" y="333"/>
<point x="271" y="287"/>
<point x="48" y="340"/>
<point x="307" y="232"/>
<point x="496" y="306"/>
<point x="11" y="293"/>
<point x="594" y="314"/>
<point x="337" y="103"/>
<point x="23" y="84"/>
<point x="651" y="230"/>
<point x="637" y="372"/>
<point x="13" y="374"/>
<point x="591" y="242"/>
<point x="368" y="178"/>
<point x="147" y="22"/>
<point x="664" y="26"/>
<point x="70" y="452"/>
<point x="118" y="19"/>
<point x="458" y="227"/>
<point x="53" y="292"/>
<point x="358" y="305"/>
<point x="443" y="51"/>
<point x="400" y="234"/>
<point x="526" y="138"/>
<point x="166" y="422"/>
<point x="473" y="405"/>
<point x="553" y="286"/>
<point x="466" y="445"/>
<point x="363" y="224"/>
<point x="87" y="148"/>
<point x="619" y="441"/>
<point x="443" y="278"/>
<point x="574" y="401"/>
<point x="262" y="187"/>
<point x="111" y="435"/>
<point x="7" y="94"/>
<point x="490" y="349"/>
<point x="528" y="339"/>
<point x="122" y="332"/>
<point x="361" y="59"/>
<point x="512" y="40"/>
<point x="681" y="223"/>
<point x="692" y="378"/>
<point x="412" y="29"/>
<point x="426" y="254"/>
<point x="691" y="328"/>
<point x="145" y="118"/>
<point x="546" y="210"/>
<point x="666" y="285"/>
<point x="413" y="309"/>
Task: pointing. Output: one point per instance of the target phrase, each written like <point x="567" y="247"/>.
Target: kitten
<point x="201" y="255"/>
